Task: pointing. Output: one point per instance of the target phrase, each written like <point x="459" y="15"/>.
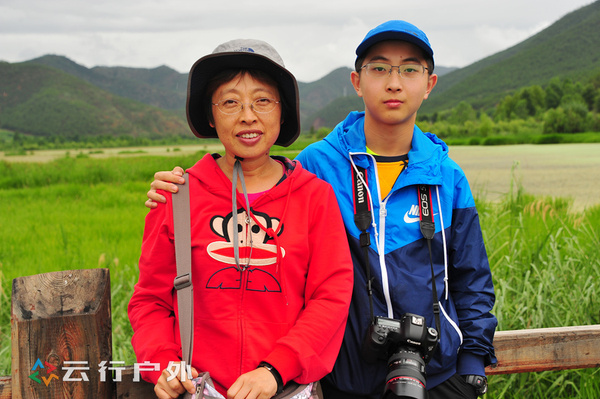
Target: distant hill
<point x="160" y="87"/>
<point x="166" y="88"/>
<point x="44" y="101"/>
<point x="321" y="102"/>
<point x="316" y="95"/>
<point x="569" y="48"/>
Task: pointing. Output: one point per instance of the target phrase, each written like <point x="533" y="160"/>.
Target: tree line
<point x="562" y="106"/>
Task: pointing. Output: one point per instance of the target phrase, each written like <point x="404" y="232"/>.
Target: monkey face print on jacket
<point x="257" y="251"/>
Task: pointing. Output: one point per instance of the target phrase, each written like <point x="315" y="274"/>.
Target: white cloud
<point x="142" y="33"/>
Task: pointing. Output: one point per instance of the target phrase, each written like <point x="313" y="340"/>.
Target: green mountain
<point x="166" y="88"/>
<point x="160" y="87"/>
<point x="316" y="95"/>
<point x="54" y="96"/>
<point x="569" y="48"/>
<point x="335" y="111"/>
<point x="44" y="101"/>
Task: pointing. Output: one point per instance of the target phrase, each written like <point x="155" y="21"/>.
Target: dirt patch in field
<point x="51" y="155"/>
<point x="562" y="170"/>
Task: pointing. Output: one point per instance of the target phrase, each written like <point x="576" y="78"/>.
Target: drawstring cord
<point x="237" y="170"/>
<point x="274" y="234"/>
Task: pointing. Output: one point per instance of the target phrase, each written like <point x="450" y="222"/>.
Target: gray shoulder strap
<point x="183" y="257"/>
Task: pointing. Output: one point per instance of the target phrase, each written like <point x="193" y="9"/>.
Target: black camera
<point x="407" y="345"/>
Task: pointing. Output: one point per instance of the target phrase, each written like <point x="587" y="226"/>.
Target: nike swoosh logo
<point x="408" y="219"/>
<point x="414" y="219"/>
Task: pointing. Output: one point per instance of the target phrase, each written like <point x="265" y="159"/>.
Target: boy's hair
<point x="395" y="30"/>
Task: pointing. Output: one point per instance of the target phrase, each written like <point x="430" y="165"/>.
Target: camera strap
<point x="427" y="224"/>
<point x="363" y="217"/>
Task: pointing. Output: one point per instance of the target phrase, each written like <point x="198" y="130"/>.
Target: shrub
<point x="498" y="140"/>
<point x="550" y="139"/>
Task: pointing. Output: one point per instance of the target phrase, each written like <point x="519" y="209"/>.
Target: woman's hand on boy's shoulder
<point x="163" y="180"/>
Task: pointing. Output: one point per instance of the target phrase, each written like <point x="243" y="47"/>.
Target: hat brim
<point x="207" y="66"/>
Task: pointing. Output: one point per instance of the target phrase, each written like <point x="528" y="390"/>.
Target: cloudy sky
<point x="313" y="36"/>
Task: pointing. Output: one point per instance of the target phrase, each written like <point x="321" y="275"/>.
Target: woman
<point x="271" y="268"/>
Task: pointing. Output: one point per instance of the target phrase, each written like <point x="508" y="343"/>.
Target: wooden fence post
<point x="61" y="333"/>
<point x="543" y="349"/>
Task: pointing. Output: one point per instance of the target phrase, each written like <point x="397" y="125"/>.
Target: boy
<point x="394" y="74"/>
<point x="379" y="157"/>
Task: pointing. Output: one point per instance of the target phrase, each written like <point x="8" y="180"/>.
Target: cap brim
<point x="393" y="35"/>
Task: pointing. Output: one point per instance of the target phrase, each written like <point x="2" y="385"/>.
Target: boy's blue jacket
<point x="399" y="258"/>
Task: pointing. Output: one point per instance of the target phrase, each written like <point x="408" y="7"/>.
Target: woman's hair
<point x="228" y="75"/>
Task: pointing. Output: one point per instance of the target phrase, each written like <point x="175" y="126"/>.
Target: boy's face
<point x="392" y="99"/>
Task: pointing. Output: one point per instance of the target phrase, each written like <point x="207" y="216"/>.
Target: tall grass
<point x="84" y="213"/>
<point x="545" y="262"/>
<point x="75" y="213"/>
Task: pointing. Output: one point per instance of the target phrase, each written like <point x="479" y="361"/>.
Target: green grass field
<point x="75" y="213"/>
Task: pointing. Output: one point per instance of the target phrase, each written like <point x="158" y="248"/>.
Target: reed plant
<point x="78" y="213"/>
<point x="545" y="263"/>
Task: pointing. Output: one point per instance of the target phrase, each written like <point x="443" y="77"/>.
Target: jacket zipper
<point x="384" y="275"/>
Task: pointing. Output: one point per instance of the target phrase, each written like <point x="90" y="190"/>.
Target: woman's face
<point x="247" y="134"/>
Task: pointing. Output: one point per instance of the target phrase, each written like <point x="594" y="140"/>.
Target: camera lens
<point x="406" y="376"/>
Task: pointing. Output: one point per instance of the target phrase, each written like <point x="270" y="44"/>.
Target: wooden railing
<point x="61" y="333"/>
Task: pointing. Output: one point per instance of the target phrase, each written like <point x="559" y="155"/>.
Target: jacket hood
<point x="425" y="156"/>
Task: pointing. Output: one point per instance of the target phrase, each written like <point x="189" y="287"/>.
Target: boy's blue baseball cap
<point x="395" y="30"/>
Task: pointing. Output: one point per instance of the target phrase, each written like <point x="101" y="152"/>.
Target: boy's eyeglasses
<point x="261" y="105"/>
<point x="382" y="69"/>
